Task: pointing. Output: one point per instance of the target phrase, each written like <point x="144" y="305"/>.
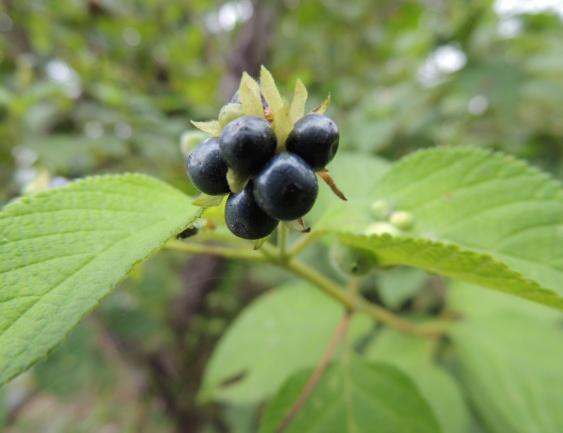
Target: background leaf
<point x="353" y="396"/>
<point x="510" y="366"/>
<point x="63" y="250"/>
<point x="413" y="356"/>
<point x="283" y="331"/>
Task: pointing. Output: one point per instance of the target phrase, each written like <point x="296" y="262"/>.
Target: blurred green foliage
<point x="97" y="86"/>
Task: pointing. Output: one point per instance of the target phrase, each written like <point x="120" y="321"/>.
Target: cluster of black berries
<point x="281" y="186"/>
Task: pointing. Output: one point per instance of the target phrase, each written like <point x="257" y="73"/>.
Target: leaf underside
<point x="454" y="262"/>
<point x="63" y="250"/>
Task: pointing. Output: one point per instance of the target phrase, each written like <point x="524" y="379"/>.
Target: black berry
<point x="207" y="168"/>
<point x="286" y="188"/>
<point x="247" y="143"/>
<point x="245" y="219"/>
<point x="315" y="139"/>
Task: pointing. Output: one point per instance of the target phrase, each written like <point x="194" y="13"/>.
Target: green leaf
<point x="250" y="98"/>
<point x="297" y="107"/>
<point x="473" y="302"/>
<point x="454" y="262"/>
<point x="280" y="333"/>
<point x="211" y="127"/>
<point x="398" y="284"/>
<point x="353" y="396"/>
<point x="486" y="202"/>
<point x="281" y="120"/>
<point x="357" y="187"/>
<point x="63" y="250"/>
<point x="413" y="356"/>
<point x="510" y="366"/>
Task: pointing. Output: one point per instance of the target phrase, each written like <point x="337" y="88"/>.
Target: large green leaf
<point x="486" y="202"/>
<point x="479" y="217"/>
<point x="61" y="251"/>
<point x="511" y="368"/>
<point x="280" y="333"/>
<point x="455" y="262"/>
<point x="352" y="397"/>
<point x="413" y="356"/>
<point x="475" y="302"/>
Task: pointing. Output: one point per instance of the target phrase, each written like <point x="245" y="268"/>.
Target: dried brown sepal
<point x="297" y="225"/>
<point x="321" y="109"/>
<point x="323" y="174"/>
<point x="268" y="114"/>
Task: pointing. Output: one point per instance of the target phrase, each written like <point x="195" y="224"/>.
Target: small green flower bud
<point x="380" y="210"/>
<point x="402" y="220"/>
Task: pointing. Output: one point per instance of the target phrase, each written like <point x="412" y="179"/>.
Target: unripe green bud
<point x="380" y="210"/>
<point x="402" y="220"/>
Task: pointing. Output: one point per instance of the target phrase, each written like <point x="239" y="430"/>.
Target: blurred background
<point x="103" y="86"/>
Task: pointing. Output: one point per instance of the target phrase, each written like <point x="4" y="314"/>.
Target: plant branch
<point x="229" y="253"/>
<point x="303" y="242"/>
<point x="316" y="376"/>
<point x="357" y="303"/>
<point x="351" y="300"/>
<point x="282" y="241"/>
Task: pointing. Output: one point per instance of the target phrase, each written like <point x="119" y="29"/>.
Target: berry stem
<point x="303" y="242"/>
<point x="227" y="252"/>
<point x="359" y="304"/>
<point x="282" y="241"/>
<point x="348" y="298"/>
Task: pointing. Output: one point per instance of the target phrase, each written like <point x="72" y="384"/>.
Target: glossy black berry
<point x="247" y="143"/>
<point x="245" y="219"/>
<point x="207" y="168"/>
<point x="315" y="139"/>
<point x="286" y="188"/>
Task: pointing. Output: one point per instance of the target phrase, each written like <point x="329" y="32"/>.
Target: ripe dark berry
<point x="245" y="219"/>
<point x="207" y="168"/>
<point x="247" y="143"/>
<point x="286" y="188"/>
<point x="315" y="139"/>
